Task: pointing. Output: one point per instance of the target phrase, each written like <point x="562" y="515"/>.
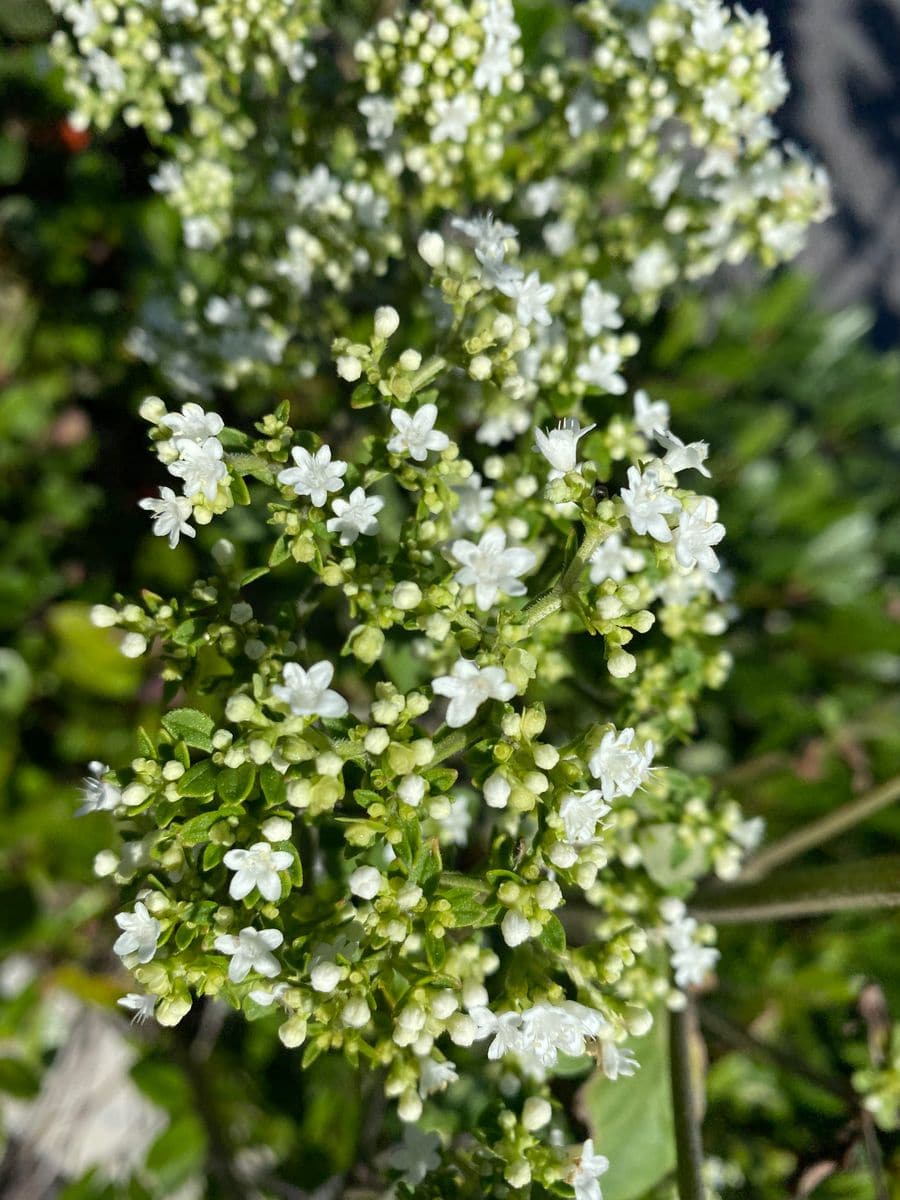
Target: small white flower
<point x="620" y="767"/>
<point x="475" y="504"/>
<point x="170" y="515"/>
<point x="139" y="936"/>
<point x="698" y="531"/>
<point x="324" y="976"/>
<point x="366" y="882"/>
<point x="133" y="645"/>
<point x="200" y="467"/>
<point x="647" y="503"/>
<point x="680" y="457"/>
<point x="584" y="112"/>
<point x="380" y="116"/>
<point x="307" y="694"/>
<point x="314" y="475"/>
<point x="142" y="1007"/>
<point x="599" y="310"/>
<point x="531" y="297"/>
<point x="97" y="794"/>
<point x="357" y="515"/>
<point x="454" y="116"/>
<point x="560" y="446"/>
<point x="416" y="434"/>
<point x="496" y="790"/>
<point x="435" y="1076"/>
<point x="613" y="560"/>
<point x="588" y="1169"/>
<point x="489" y="236"/>
<point x="411" y="789"/>
<point x="602" y="371"/>
<point x="267" y="996"/>
<point x="257" y="868"/>
<point x="491" y="568"/>
<point x="540" y="197"/>
<point x="505" y="1030"/>
<point x="617" y="1061"/>
<point x="580" y="815"/>
<point x="415" y="1156"/>
<point x="193" y="424"/>
<point x="250" y="951"/>
<point x="650" y="416"/>
<point x="468" y="686"/>
<point x="515" y="928"/>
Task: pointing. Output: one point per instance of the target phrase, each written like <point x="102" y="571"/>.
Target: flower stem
<point x="552" y="601"/>
<point x="685" y="1109"/>
<point x="795" y="844"/>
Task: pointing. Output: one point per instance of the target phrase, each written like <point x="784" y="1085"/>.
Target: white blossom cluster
<point x="419" y="814"/>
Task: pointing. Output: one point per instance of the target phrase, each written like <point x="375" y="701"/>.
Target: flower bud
<point x="496" y="791"/>
<point x="152" y="409"/>
<point x="133" y="645"/>
<point x="366" y="883"/>
<point x="387" y="321"/>
<point x="431" y="248"/>
<point x="355" y="1013"/>
<point x="515" y="928"/>
<point x="276" y="829"/>
<point x="407" y="596"/>
<point x="536" y="1112"/>
<point x="103" y="617"/>
<point x="325" y="976"/>
<point x="349" y="368"/>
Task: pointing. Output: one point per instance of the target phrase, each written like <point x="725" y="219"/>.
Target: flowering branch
<point x="686" y="1104"/>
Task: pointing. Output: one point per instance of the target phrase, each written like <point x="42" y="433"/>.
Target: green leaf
<point x="146" y="744"/>
<point x="163" y="1083"/>
<point x="465" y="906"/>
<point x="553" y="936"/>
<point x="17" y="1078"/>
<point x="280" y="552"/>
<point x="190" y="632"/>
<point x="191" y="726"/>
<point x="239" y="491"/>
<point x="199" y="780"/>
<point x="272" y="783"/>
<point x="235" y="784"/>
<point x="213" y="854"/>
<point x="178" y="1152"/>
<point x="630" y="1119"/>
<point x="252" y="576"/>
<point x="808" y="892"/>
<point x="196" y="830"/>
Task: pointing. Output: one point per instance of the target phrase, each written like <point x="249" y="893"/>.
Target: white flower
<point x="620" y="767"/>
<point x="475" y="503"/>
<point x="454" y="117"/>
<point x="416" y="434"/>
<point x="491" y="568"/>
<point x="307" y="693"/>
<point x="415" y="1156"/>
<point x="617" y="1060"/>
<point x="612" y="560"/>
<point x="551" y="1029"/>
<point x="680" y="457"/>
<point x="170" y="515"/>
<point x="435" y="1076"/>
<point x="250" y="951"/>
<point x="200" y="467"/>
<point x="380" y="116"/>
<point x="560" y="446"/>
<point x="505" y="1030"/>
<point x="496" y="790"/>
<point x="267" y="996"/>
<point x="324" y="976"/>
<point x="531" y="297"/>
<point x="366" y="882"/>
<point x="357" y="515"/>
<point x="317" y="190"/>
<point x="599" y="310"/>
<point x="193" y="424"/>
<point x="650" y="416"/>
<point x="314" y="475"/>
<point x="468" y="686"/>
<point x="488" y="235"/>
<point x="257" y="868"/>
<point x="139" y="936"/>
<point x="691" y="960"/>
<point x="97" y="794"/>
<point x="646" y="504"/>
<point x="602" y="371"/>
<point x="588" y="1169"/>
<point x="541" y="196"/>
<point x="515" y="928"/>
<point x="698" y="531"/>
<point x="411" y="790"/>
<point x="584" y="112"/>
<point x="142" y="1007"/>
<point x="580" y="815"/>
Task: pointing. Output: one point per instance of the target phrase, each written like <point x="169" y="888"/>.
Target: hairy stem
<point x="688" y="1141"/>
<point x="795" y="844"/>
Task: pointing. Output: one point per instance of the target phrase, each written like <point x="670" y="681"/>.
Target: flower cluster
<point x="415" y="801"/>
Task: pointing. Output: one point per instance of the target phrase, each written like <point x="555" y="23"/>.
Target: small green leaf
<point x="146" y="744"/>
<point x="213" y="854"/>
<point x="630" y="1119"/>
<point x="191" y="726"/>
<point x="252" y="576"/>
<point x="272" y="783"/>
<point x="196" y="830"/>
<point x="190" y="632"/>
<point x="280" y="552"/>
<point x="235" y="784"/>
<point x="553" y="936"/>
<point x="239" y="491"/>
<point x="199" y="780"/>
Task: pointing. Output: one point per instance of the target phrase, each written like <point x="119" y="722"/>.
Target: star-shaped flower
<point x="602" y="371"/>
<point x="250" y="951"/>
<point x="620" y="767"/>
<point x="170" y="515"/>
<point x="580" y="815"/>
<point x="647" y="503"/>
<point x="680" y="457"/>
<point x="357" y="515"/>
<point x="650" y="416"/>
<point x="139" y="936"/>
<point x="531" y="297"/>
<point x="491" y="568"/>
<point x="257" y="868"/>
<point x="698" y="531"/>
<point x="560" y="446"/>
<point x="314" y="475"/>
<point x="416" y="434"/>
<point x="468" y="686"/>
<point x="200" y="467"/>
<point x="306" y="692"/>
<point x="193" y="424"/>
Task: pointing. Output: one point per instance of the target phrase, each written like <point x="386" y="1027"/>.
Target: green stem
<point x="688" y="1141"/>
<point x="795" y="844"/>
<point x="553" y="600"/>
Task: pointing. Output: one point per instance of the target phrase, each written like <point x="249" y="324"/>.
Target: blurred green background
<point x="803" y="421"/>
